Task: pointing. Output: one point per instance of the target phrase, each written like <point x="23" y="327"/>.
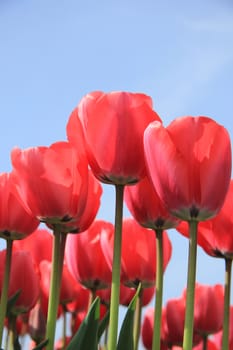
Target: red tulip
<point x="173" y="317"/>
<point x="82" y="300"/>
<point x="23" y="278"/>
<point x="118" y="159"/>
<point x="39" y="244"/>
<point x="16" y="221"/>
<point x="208" y="319"/>
<point x="215" y="235"/>
<point x="190" y="165"/>
<point x="173" y="322"/>
<point x="54" y="182"/>
<point x="85" y="258"/>
<point x="68" y="291"/>
<point x="146" y="207"/>
<point x="138" y="253"/>
<point x="147" y="330"/>
<point x="218" y="337"/>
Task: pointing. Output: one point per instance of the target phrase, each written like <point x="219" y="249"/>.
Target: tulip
<point x="208" y="319"/>
<point x="113" y="160"/>
<point x="54" y="185"/>
<point x="215" y="237"/>
<point x="180" y="160"/>
<point x="189" y="163"/>
<point x="138" y="260"/>
<point x="39" y="244"/>
<point x="126" y="115"/>
<point x="219" y="337"/>
<point x="54" y="182"/>
<point x="85" y="258"/>
<point x="146" y="207"/>
<point x="16" y="222"/>
<point x="68" y="292"/>
<point x="23" y="278"/>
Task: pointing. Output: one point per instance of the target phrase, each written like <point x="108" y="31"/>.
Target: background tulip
<point x="146" y="206"/>
<point x="23" y="279"/>
<point x="85" y="258"/>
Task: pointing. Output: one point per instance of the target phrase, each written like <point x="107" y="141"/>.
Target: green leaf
<point x="41" y="345"/>
<point x="103" y="325"/>
<point x="126" y="341"/>
<point x="86" y="336"/>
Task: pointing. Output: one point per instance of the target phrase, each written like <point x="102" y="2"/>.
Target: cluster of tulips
<point x="80" y="269"/>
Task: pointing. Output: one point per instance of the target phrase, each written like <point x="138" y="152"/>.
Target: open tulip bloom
<point x="167" y="176"/>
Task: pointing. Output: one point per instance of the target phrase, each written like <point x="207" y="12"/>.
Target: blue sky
<point x="53" y="52"/>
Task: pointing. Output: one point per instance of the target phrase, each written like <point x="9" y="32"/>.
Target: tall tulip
<point x="54" y="185"/>
<point x="138" y="260"/>
<point x="147" y="208"/>
<point x="215" y="237"/>
<point x="113" y="126"/>
<point x="16" y="222"/>
<point x="190" y="166"/>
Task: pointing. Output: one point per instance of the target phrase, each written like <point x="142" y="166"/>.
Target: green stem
<point x="6" y="279"/>
<point x="116" y="266"/>
<point x="137" y="319"/>
<point x="227" y="292"/>
<point x="57" y="265"/>
<point x="159" y="290"/>
<point x="189" y="312"/>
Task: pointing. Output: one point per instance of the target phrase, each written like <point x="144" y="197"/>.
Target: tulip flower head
<point x="85" y="258"/>
<point x="54" y="182"/>
<point x="146" y="207"/>
<point x="113" y="126"/>
<point x="189" y="163"/>
<point x="16" y="220"/>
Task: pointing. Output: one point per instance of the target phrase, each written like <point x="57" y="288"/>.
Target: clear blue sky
<point x="54" y="52"/>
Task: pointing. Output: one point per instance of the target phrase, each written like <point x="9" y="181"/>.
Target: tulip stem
<point x="6" y="279"/>
<point x="189" y="312"/>
<point x="159" y="290"/>
<point x="116" y="266"/>
<point x="227" y="292"/>
<point x="137" y="319"/>
<point x="54" y="293"/>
